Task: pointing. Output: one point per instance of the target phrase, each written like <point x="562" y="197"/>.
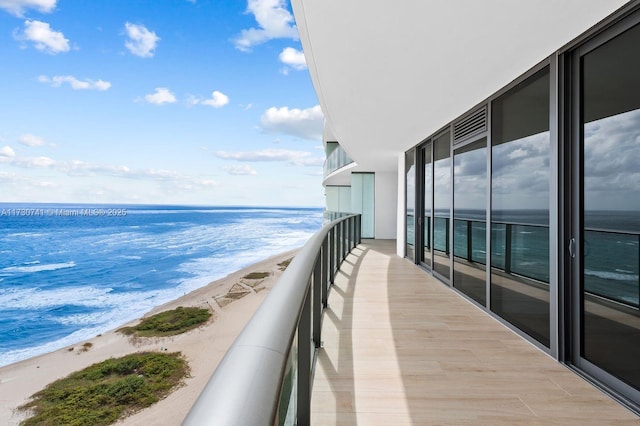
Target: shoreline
<point x="202" y="347"/>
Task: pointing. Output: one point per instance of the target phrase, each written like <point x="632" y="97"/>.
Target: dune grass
<point x="256" y="275"/>
<point x="283" y="265"/>
<point x="107" y="391"/>
<point x="169" y="323"/>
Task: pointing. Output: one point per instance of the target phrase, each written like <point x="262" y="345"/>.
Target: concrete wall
<point x="386" y="200"/>
<point x="400" y="202"/>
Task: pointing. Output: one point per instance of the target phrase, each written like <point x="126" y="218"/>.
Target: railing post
<point x="447" y="224"/>
<point x="325" y="272"/>
<point x="353" y="232"/>
<point x="332" y="254"/>
<point x="340" y="244"/>
<point x="317" y="300"/>
<point x="344" y="241"/>
<point x="359" y="229"/>
<point x="303" y="413"/>
<point x="507" y="248"/>
<point x="469" y="242"/>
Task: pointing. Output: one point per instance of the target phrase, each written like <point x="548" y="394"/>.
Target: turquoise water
<point x="69" y="272"/>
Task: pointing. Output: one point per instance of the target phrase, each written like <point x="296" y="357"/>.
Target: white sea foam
<point x="219" y="248"/>
<point x="38" y="267"/>
<point x="611" y="275"/>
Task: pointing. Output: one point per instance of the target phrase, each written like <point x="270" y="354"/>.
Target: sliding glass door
<point x="410" y="203"/>
<point x="520" y="180"/>
<point x="470" y="220"/>
<point x="425" y="222"/>
<point x="442" y="205"/>
<point x="606" y="210"/>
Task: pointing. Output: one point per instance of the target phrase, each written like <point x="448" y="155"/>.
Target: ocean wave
<point x="102" y="293"/>
<point x="611" y="275"/>
<point x="38" y="267"/>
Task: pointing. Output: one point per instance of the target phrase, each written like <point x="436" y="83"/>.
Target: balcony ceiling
<point x="388" y="74"/>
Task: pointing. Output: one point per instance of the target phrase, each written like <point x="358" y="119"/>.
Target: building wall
<point x="386" y="199"/>
<point x="400" y="207"/>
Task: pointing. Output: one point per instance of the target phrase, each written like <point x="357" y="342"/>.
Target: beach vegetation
<point x="257" y="275"/>
<point x="169" y="323"/>
<point x="107" y="391"/>
<point x="283" y="265"/>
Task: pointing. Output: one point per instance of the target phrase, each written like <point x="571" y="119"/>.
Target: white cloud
<point x="161" y="96"/>
<point x="296" y="158"/>
<point x="217" y="100"/>
<point x="274" y="21"/>
<point x="31" y="140"/>
<point x="43" y="37"/>
<point x="293" y="58"/>
<point x="18" y="7"/>
<point x="240" y="170"/>
<point x="7" y="152"/>
<point x="86" y="84"/>
<point x="304" y="123"/>
<point x="33" y="162"/>
<point x="82" y="168"/>
<point x="141" y="42"/>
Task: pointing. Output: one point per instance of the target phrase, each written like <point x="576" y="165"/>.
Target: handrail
<point x="246" y="388"/>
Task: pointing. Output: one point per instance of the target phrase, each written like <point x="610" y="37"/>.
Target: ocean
<point x="70" y="272"/>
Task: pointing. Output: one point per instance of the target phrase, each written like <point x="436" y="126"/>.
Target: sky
<point x="196" y="102"/>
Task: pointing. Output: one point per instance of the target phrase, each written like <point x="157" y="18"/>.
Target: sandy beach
<point x="232" y="299"/>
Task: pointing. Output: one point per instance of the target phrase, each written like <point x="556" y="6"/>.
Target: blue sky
<point x="156" y="101"/>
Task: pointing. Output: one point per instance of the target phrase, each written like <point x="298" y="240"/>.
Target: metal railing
<point x="336" y="160"/>
<point x="611" y="257"/>
<point x="265" y="377"/>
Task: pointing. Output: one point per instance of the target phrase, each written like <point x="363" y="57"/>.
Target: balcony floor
<point x="400" y="348"/>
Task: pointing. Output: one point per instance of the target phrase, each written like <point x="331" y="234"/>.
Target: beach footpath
<point x="232" y="300"/>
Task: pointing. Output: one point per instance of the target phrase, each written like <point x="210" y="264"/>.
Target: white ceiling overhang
<point x="390" y="73"/>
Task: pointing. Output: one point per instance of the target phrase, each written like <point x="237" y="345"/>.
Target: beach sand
<point x="233" y="301"/>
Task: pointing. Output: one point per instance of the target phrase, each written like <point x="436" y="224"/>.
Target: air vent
<point x="473" y="124"/>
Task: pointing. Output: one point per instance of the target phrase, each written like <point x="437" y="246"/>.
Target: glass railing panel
<point x="530" y="251"/>
<point x="441" y="234"/>
<point x="479" y="242"/>
<point x="498" y="244"/>
<point x="611" y="266"/>
<point x="460" y="238"/>
<point x="470" y="234"/>
<point x="521" y="249"/>
<point x="336" y="160"/>
<point x="287" y="409"/>
<point x="411" y="236"/>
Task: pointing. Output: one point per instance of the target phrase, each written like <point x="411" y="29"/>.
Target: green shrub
<point x="169" y="323"/>
<point x="105" y="392"/>
<point x="256" y="275"/>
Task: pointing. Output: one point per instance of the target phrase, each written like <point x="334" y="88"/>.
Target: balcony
<point x="336" y="160"/>
<point x="401" y="348"/>
<point x="396" y="347"/>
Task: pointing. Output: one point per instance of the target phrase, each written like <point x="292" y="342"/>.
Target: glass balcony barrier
<point x="265" y="377"/>
<point x="336" y="160"/>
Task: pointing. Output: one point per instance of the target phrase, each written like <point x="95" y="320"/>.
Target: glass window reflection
<point x="610" y="283"/>
<point x="441" y="205"/>
<point x="469" y="219"/>
<point x="520" y="206"/>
